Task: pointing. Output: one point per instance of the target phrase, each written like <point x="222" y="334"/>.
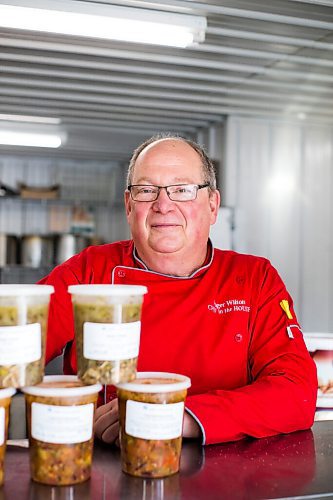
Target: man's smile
<point x="165" y="225"/>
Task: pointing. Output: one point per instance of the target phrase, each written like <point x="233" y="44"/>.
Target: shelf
<point x="22" y="274"/>
<point x="63" y="201"/>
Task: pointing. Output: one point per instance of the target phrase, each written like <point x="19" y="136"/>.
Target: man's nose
<point x="163" y="202"/>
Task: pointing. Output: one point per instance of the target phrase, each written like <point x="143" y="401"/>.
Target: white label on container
<point x="111" y="341"/>
<point x="2" y="425"/>
<point x="62" y="424"/>
<point x="20" y="344"/>
<point x="154" y="421"/>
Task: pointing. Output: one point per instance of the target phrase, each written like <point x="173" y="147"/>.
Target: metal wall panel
<point x="281" y="173"/>
<point x="317" y="229"/>
<point x="283" y="202"/>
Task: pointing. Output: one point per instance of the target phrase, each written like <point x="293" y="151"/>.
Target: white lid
<point x="83" y="390"/>
<point x="318" y="341"/>
<point x="7" y="392"/>
<point x="182" y="383"/>
<point x="324" y="400"/>
<point x="19" y="290"/>
<point x="114" y="290"/>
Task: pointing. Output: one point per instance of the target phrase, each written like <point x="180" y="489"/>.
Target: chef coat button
<point x="240" y="280"/>
<point x="121" y="274"/>
<point x="238" y="337"/>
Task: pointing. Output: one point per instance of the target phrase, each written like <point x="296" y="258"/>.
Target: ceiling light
<point x="37" y="140"/>
<point x="110" y="22"/>
<point x="29" y="119"/>
<point x="31" y="134"/>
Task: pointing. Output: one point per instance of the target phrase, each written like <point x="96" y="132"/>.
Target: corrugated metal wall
<point x="279" y="177"/>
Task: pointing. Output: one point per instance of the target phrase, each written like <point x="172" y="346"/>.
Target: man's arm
<point x="282" y="389"/>
<point x="60" y="330"/>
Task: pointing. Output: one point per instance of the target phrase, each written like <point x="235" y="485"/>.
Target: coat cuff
<point x="203" y="434"/>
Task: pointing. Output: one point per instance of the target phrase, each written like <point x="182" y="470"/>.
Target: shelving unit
<point x="94" y="185"/>
<point x="61" y="201"/>
<point x="21" y="274"/>
<point x="49" y="216"/>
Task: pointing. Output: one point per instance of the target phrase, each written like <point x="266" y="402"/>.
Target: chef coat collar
<point x="208" y="260"/>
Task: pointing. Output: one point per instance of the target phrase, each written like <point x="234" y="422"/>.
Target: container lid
<point x="181" y="382"/>
<point x="324" y="400"/>
<point x="114" y="290"/>
<point x="7" y="392"/>
<point x="19" y="290"/>
<point x="42" y="390"/>
<point x="318" y="341"/>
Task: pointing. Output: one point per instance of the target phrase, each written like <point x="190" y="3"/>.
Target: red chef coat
<point x="223" y="326"/>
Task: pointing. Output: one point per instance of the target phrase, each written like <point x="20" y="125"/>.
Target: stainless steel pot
<point x="31" y="254"/>
<point x="9" y="249"/>
<point x="37" y="251"/>
<point x="65" y="247"/>
<point x="68" y="245"/>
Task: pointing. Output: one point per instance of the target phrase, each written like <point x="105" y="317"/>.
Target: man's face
<point x="164" y="226"/>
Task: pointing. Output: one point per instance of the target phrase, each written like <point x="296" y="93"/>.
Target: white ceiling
<point x="259" y="58"/>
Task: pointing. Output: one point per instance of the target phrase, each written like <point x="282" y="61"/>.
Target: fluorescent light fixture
<point x="30" y="119"/>
<point x="12" y="138"/>
<point x="109" y="22"/>
<point x="31" y="134"/>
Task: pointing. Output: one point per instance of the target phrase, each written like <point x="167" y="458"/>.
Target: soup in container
<point x="5" y="398"/>
<point x="107" y="331"/>
<point x="151" y="413"/>
<point x="23" y="325"/>
<point x="60" y="413"/>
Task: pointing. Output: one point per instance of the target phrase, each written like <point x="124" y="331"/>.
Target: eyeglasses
<point x="176" y="192"/>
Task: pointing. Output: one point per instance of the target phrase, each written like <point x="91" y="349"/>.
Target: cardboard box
<point x="40" y="193"/>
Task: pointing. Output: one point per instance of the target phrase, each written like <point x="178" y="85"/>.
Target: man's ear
<point x="214" y="203"/>
<point x="127" y="201"/>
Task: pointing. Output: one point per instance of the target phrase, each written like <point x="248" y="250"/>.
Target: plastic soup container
<point x="107" y="331"/>
<point x="23" y="325"/>
<point x="151" y="412"/>
<point x="5" y="395"/>
<point x="60" y="414"/>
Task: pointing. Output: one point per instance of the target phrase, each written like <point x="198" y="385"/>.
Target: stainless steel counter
<point x="286" y="466"/>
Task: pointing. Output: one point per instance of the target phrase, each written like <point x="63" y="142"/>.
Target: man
<point x="222" y="318"/>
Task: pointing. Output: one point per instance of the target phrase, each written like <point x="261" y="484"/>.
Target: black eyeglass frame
<point x="198" y="186"/>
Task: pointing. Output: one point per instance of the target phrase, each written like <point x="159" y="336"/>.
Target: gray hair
<point x="207" y="165"/>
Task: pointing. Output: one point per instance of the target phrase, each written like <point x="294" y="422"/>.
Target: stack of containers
<point x="23" y="324"/>
<point x="151" y="405"/>
<point x="60" y="409"/>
